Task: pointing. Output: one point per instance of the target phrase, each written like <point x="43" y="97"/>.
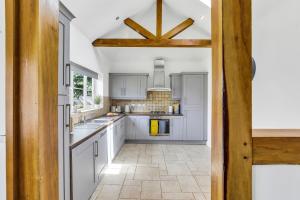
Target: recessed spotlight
<point x="117" y="18"/>
<point x="202" y="17"/>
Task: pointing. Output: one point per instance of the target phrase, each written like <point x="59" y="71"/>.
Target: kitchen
<point x="133" y="120"/>
<point x="127" y="112"/>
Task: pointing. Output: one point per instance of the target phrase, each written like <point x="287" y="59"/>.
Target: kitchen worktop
<point x="152" y="114"/>
<point x="84" y="131"/>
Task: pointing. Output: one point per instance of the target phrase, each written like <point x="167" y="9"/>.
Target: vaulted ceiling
<point x="98" y="18"/>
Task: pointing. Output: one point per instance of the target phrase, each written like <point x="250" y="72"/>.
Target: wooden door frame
<point x="31" y="99"/>
<point x="232" y="100"/>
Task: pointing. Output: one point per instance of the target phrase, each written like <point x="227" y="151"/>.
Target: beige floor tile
<point x="128" y="192"/>
<point x="151" y="186"/>
<point x="178" y="196"/>
<point x="109" y="192"/>
<point x="199" y="196"/>
<point x="113" y="179"/>
<point x="168" y="178"/>
<point x="188" y="184"/>
<point x="133" y="182"/>
<point x="157" y="171"/>
<point x="146" y="173"/>
<point x="207" y="196"/>
<point x="203" y="180"/>
<point x="178" y="169"/>
<point x="170" y="186"/>
<point x="151" y="195"/>
<point x="205" y="189"/>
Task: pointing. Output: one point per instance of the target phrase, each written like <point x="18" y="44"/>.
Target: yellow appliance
<point x="154" y="127"/>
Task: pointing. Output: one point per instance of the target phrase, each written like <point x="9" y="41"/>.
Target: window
<point x="85" y="91"/>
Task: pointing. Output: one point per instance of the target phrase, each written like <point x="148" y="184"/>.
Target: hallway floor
<point x="157" y="171"/>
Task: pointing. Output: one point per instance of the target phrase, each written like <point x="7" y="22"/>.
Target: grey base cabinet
<point x="83" y="171"/>
<point x="177" y="128"/>
<point x="137" y="128"/>
<point x="101" y="153"/>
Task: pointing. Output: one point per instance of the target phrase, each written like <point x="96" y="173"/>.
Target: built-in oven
<point x="159" y="126"/>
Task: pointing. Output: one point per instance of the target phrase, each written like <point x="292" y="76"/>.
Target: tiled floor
<point x="157" y="171"/>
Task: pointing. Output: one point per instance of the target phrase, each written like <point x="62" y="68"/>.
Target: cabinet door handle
<point x="97" y="149"/>
<point x="68" y="69"/>
<point x="68" y="106"/>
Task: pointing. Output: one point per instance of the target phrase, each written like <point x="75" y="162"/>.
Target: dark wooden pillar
<point x="31" y="99"/>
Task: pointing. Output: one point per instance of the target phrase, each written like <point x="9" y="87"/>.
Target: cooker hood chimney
<point x="159" y="76"/>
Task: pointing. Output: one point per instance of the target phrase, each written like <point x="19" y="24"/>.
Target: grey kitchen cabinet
<point x="137" y="128"/>
<point x="142" y="128"/>
<point x="116" y="84"/>
<point x="65" y="17"/>
<point x="64" y="67"/>
<point x="128" y="86"/>
<point x="176" y="128"/>
<point x="83" y="170"/>
<point x="194" y="106"/>
<point x="63" y="147"/>
<point x="116" y="137"/>
<point x="101" y="152"/>
<point x="143" y="86"/>
<point x="130" y="127"/>
<point x="131" y="87"/>
<point x="176" y="86"/>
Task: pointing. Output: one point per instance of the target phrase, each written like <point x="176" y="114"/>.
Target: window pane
<point x="78" y="81"/>
<point x="89" y="86"/>
<point x="78" y="91"/>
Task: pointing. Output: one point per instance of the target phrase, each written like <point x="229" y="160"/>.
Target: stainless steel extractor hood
<point x="159" y="76"/>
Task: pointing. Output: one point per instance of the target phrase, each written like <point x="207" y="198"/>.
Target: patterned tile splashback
<point x="156" y="101"/>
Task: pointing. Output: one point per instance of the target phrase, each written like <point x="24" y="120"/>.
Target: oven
<point x="159" y="126"/>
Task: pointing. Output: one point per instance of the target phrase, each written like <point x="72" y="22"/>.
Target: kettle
<point x="127" y="108"/>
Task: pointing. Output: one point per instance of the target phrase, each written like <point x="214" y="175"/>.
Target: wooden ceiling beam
<point x="139" y="29"/>
<point x="178" y="29"/>
<point x="158" y="18"/>
<point x="190" y="43"/>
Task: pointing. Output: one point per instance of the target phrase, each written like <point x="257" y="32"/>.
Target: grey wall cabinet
<point x="176" y="86"/>
<point x="128" y="86"/>
<point x="194" y="106"/>
<point x="83" y="170"/>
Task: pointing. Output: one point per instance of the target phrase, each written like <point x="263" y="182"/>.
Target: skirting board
<point x="183" y="142"/>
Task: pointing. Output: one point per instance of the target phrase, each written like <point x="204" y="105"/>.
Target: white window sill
<point x="88" y="110"/>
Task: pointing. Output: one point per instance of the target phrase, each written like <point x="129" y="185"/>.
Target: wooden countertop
<point x="276" y="133"/>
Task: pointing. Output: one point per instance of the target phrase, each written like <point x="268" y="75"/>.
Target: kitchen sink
<point x="88" y="126"/>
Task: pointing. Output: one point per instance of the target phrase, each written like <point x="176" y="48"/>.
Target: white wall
<point x="83" y="53"/>
<point x="276" y="89"/>
<point x="2" y="68"/>
<point x="2" y="103"/>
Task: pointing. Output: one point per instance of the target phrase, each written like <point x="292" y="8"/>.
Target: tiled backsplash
<point x="156" y="101"/>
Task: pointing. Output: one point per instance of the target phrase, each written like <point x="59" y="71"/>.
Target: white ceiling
<point x="96" y="18"/>
<point x="149" y="54"/>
